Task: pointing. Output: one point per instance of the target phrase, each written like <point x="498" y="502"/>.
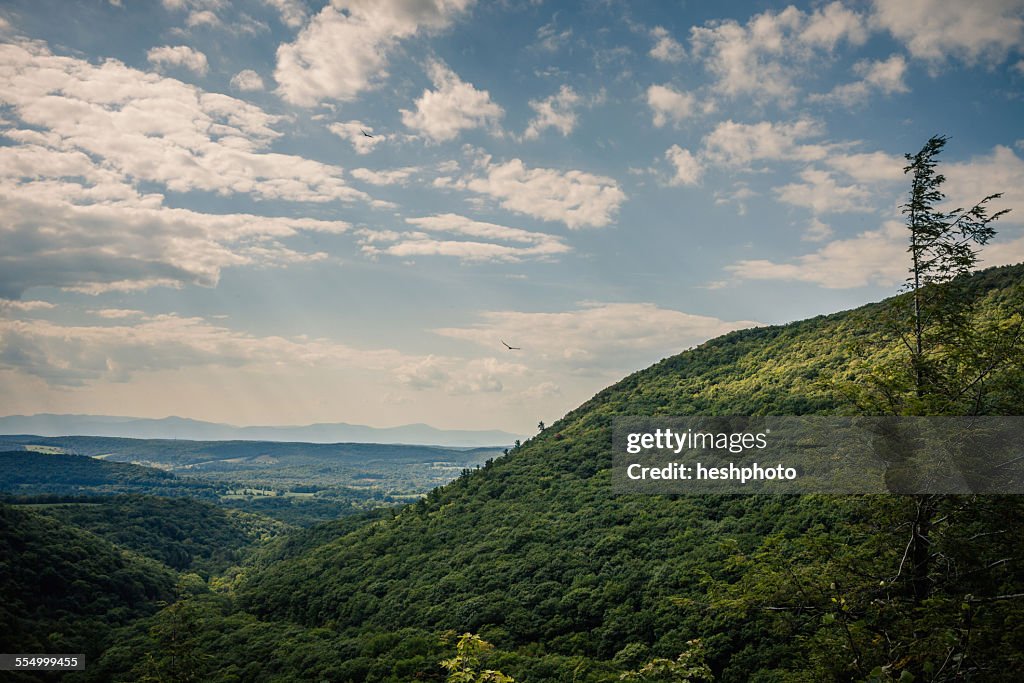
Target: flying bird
<point x="511" y="348"/>
<point x="365" y="133"/>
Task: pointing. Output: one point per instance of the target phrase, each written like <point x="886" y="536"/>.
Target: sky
<point x="291" y="211"/>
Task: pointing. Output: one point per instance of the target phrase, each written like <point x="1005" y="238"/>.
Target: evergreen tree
<point x="940" y="353"/>
<point x="943" y="247"/>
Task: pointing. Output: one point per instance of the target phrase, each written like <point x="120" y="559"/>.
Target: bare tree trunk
<point x="920" y="548"/>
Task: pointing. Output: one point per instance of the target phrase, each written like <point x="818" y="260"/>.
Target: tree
<point x="689" y="667"/>
<point x="950" y="350"/>
<point x="940" y="354"/>
<point x="465" y="666"/>
<point x="540" y="426"/>
<point x="177" y="655"/>
<point x="945" y="354"/>
<point x="943" y="247"/>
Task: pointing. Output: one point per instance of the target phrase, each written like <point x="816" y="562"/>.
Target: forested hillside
<point x="72" y="573"/>
<point x="64" y="589"/>
<point x="534" y="553"/>
<point x="60" y="474"/>
<point x="184" y="534"/>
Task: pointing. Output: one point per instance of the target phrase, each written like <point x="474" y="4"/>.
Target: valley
<point x="298" y="483"/>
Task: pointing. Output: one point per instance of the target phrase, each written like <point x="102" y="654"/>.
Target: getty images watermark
<point x="818" y="454"/>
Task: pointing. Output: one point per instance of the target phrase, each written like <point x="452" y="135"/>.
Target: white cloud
<point x="822" y="194"/>
<point x="243" y="24"/>
<point x="247" y="80"/>
<point x="669" y="105"/>
<point x="576" y="198"/>
<point x="454" y="223"/>
<point x="293" y="12"/>
<point x="872" y="257"/>
<point x="424" y="373"/>
<point x="739" y="144"/>
<point x="879" y="256"/>
<point x="359" y="134"/>
<point x="1002" y="170"/>
<point x="885" y="75"/>
<point x="688" y="167"/>
<point x="74" y="355"/>
<point x="549" y="38"/>
<point x="118" y="313"/>
<point x="738" y="195"/>
<point x="413" y="245"/>
<point x="827" y="26"/>
<point x="597" y="334"/>
<point x="881" y="76"/>
<point x="23" y="306"/>
<point x="482" y="375"/>
<point x="174" y="5"/>
<point x="180" y="55"/>
<point x="202" y="18"/>
<point x="208" y="13"/>
<point x="869" y="167"/>
<point x="981" y="30"/>
<point x="74" y="216"/>
<point x="817" y="231"/>
<point x="394" y="176"/>
<point x="745" y="59"/>
<point x="666" y="48"/>
<point x="1003" y="252"/>
<point x="556" y="111"/>
<point x="130" y="243"/>
<point x="144" y="127"/>
<point x="541" y="391"/>
<point x="454" y="106"/>
<point x="489" y="241"/>
<point x="765" y="57"/>
<point x="344" y="49"/>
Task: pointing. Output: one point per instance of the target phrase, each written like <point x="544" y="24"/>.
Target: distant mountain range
<point x="183" y="428"/>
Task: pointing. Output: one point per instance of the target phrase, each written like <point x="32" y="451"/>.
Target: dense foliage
<point x="30" y="473"/>
<point x="64" y="589"/>
<point x="184" y="534"/>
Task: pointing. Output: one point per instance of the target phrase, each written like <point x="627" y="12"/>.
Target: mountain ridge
<point x="173" y="427"/>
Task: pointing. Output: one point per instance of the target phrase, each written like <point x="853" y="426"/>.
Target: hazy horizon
<point x="48" y="425"/>
<point x="229" y="424"/>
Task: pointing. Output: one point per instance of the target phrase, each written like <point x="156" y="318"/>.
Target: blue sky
<point x="193" y="222"/>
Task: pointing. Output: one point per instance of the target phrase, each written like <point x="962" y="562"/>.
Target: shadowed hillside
<point x="65" y="589"/>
